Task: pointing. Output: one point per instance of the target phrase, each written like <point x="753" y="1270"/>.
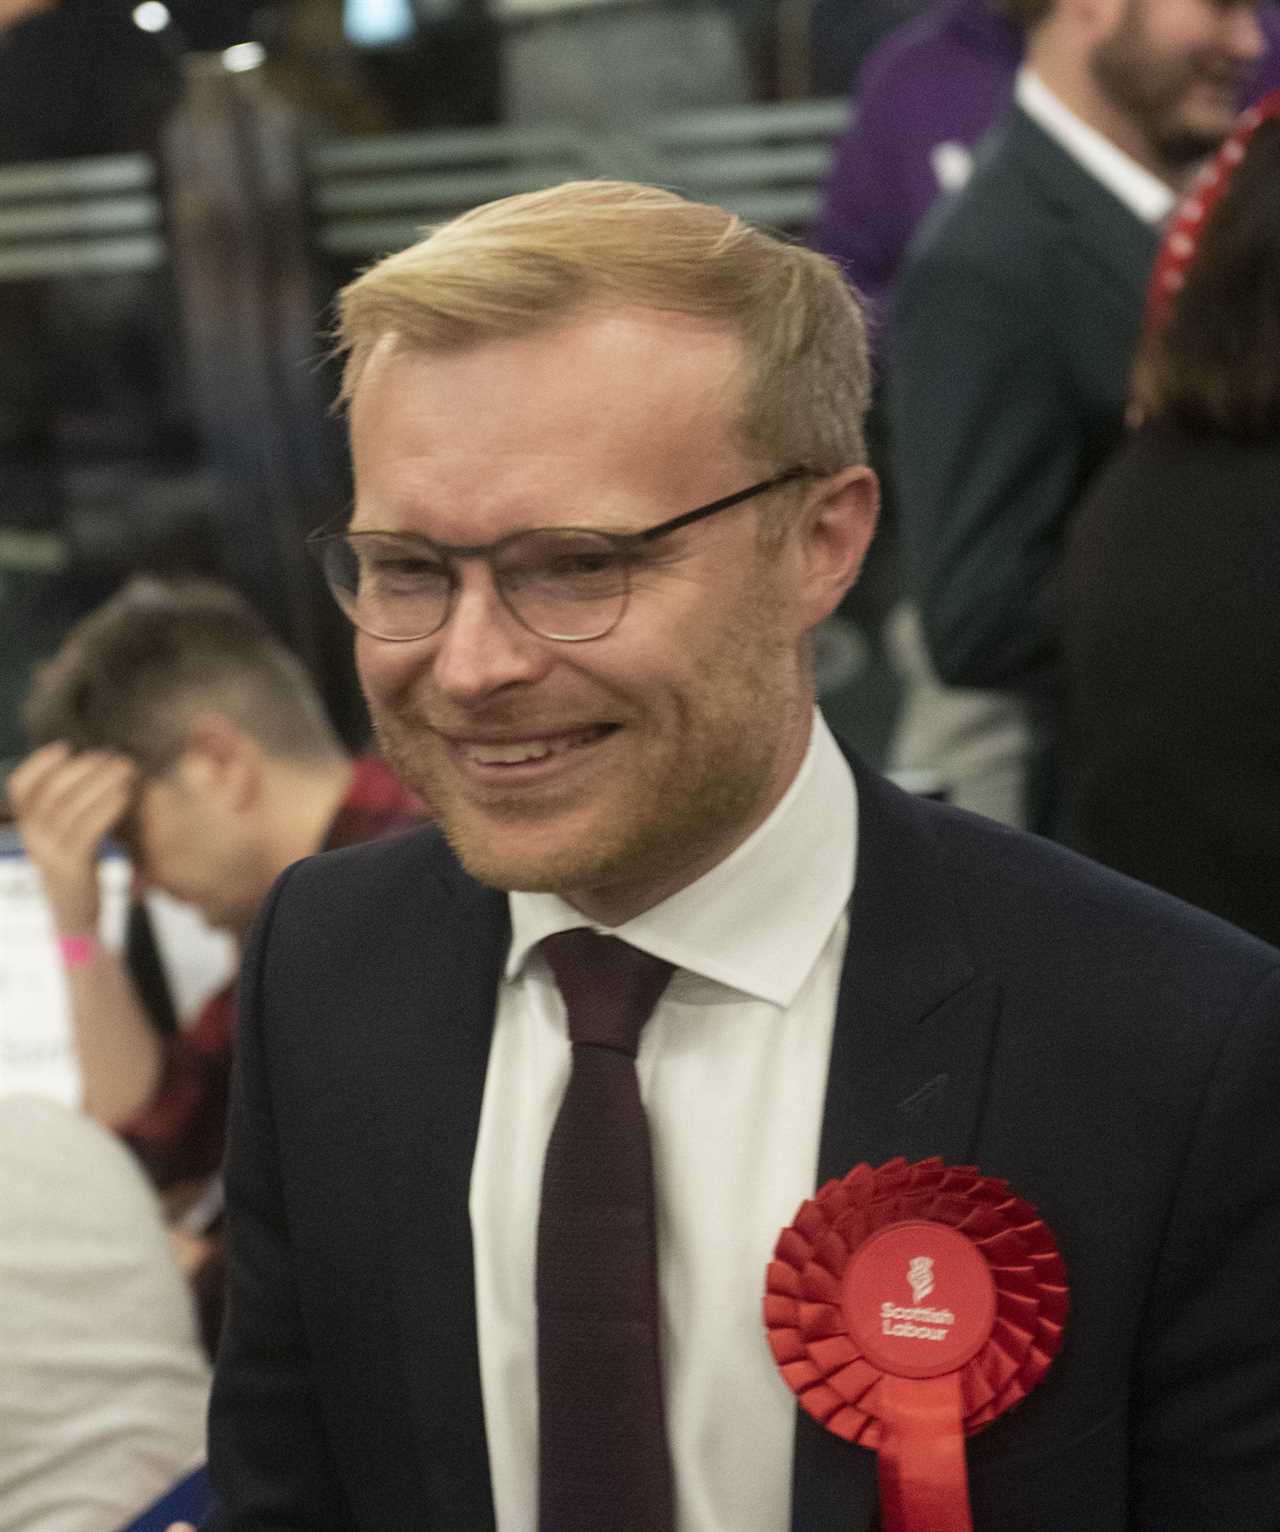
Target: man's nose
<point x="483" y="647"/>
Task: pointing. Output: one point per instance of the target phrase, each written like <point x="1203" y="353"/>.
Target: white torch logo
<point x="920" y="1276"/>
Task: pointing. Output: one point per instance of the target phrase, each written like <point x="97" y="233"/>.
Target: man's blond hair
<point x="529" y="261"/>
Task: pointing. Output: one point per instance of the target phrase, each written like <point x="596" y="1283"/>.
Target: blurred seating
<point x="374" y="193"/>
<point x="103" y="1390"/>
<point x="100" y="214"/>
<point x="765" y="161"/>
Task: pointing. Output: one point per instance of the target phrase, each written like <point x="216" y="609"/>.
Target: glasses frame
<point x="317" y="541"/>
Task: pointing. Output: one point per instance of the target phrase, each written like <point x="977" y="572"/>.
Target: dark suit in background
<point x="1013" y="333"/>
<point x="1115" y="1055"/>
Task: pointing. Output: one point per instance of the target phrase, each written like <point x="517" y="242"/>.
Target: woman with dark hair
<point x="1172" y="584"/>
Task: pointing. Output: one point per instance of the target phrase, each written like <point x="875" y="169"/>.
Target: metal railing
<point x="765" y="162"/>
<point x="80" y="216"/>
<point x="373" y="194"/>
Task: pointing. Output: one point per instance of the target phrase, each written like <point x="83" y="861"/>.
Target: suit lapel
<point x="432" y="1117"/>
<point x="915" y="1026"/>
<point x="915" y="1022"/>
<point x="1103" y="234"/>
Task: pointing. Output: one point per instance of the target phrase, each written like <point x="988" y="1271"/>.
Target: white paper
<point x="37" y="1053"/>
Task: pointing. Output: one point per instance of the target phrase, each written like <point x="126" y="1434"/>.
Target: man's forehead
<point x="623" y="412"/>
<point x="587" y="383"/>
<point x="624" y="333"/>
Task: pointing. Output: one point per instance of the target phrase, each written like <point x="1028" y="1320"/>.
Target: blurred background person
<point x="1013" y="335"/>
<point x="174" y="721"/>
<point x="922" y="95"/>
<point x="1172" y="621"/>
<point x="103" y="1387"/>
<point x="922" y="101"/>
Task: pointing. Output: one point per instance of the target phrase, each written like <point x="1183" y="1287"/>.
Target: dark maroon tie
<point x="604" y="1464"/>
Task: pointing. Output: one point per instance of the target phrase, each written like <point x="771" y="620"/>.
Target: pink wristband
<point x="79" y="949"/>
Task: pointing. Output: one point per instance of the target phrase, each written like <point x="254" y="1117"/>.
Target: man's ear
<point x="836" y="528"/>
<point x="221" y="759"/>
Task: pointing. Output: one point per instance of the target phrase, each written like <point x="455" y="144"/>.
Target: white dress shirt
<point x="1146" y="195"/>
<point x="733" y="1069"/>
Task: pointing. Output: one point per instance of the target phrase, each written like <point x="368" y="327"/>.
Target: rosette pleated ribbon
<point x="908" y="1307"/>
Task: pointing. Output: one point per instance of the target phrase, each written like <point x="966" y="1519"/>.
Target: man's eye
<point x="586" y="562"/>
<point x="386" y="570"/>
<point x="581" y="573"/>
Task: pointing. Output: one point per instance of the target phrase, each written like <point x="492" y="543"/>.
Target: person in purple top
<point x="923" y="98"/>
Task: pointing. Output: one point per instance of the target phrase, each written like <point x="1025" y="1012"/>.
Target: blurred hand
<point x="64" y="805"/>
<point x="180" y="1526"/>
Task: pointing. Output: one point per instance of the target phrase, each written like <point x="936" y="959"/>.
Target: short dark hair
<point x="132" y="674"/>
<point x="1215" y="364"/>
<point x="1027" y="14"/>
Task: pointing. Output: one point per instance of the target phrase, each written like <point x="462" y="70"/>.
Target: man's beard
<point x="698" y="774"/>
<point x="1150" y="88"/>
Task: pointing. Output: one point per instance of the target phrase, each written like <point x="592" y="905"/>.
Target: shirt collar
<point x="1144" y="194"/>
<point x="758" y="920"/>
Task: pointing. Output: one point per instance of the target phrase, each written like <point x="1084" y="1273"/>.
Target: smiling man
<point x="620" y="768"/>
<point x="521" y="1107"/>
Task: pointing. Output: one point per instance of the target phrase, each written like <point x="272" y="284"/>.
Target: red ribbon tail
<point x="923" y="1483"/>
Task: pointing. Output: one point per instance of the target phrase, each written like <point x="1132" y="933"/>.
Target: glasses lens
<point x="564" y="583"/>
<point x="390" y="587"/>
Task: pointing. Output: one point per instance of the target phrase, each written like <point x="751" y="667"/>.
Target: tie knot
<point x="610" y="988"/>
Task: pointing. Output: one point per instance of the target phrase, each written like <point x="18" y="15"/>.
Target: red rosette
<point x="870" y="1360"/>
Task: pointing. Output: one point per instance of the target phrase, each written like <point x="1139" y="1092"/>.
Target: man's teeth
<point x="513" y="752"/>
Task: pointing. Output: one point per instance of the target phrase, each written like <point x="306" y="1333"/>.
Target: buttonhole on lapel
<point x="920" y="1101"/>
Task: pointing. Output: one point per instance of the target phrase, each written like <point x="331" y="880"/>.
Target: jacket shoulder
<point x="999" y="209"/>
<point x="418" y="853"/>
<point x="1033" y="905"/>
<point x="366" y="897"/>
<point x="1032" y="909"/>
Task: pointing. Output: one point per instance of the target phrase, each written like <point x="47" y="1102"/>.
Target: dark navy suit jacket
<point x="1013" y="337"/>
<point x="1112" y="1053"/>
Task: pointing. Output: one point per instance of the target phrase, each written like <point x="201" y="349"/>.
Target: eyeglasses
<point x="570" y="584"/>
